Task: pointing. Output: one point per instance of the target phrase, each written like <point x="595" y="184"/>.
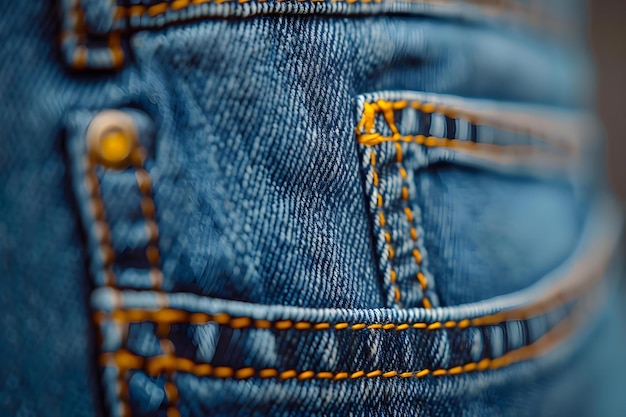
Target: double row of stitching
<point x="173" y="315"/>
<point x="74" y="39"/>
<point x="107" y="255"/>
<point x="368" y="136"/>
<point x="368" y="124"/>
<point x="387" y="111"/>
<point x="163" y="364"/>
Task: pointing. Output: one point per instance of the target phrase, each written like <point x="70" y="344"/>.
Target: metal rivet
<point x="112" y="139"/>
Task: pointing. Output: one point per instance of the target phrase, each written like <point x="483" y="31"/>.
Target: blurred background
<point x="608" y="43"/>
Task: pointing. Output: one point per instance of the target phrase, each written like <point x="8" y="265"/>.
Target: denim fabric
<point x="327" y="208"/>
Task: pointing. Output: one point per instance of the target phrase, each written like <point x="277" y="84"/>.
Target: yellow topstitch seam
<point x="107" y="257"/>
<point x="158" y="365"/>
<point x="367" y="135"/>
<point x="172" y="315"/>
<point x="387" y="110"/>
<point x="79" y="32"/>
<point x="107" y="254"/>
<point x="383" y="225"/>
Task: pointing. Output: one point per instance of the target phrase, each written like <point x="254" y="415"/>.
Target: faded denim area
<point x="257" y="149"/>
<point x="267" y="289"/>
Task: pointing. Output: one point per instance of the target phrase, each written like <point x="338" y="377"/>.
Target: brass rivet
<point x="112" y="139"/>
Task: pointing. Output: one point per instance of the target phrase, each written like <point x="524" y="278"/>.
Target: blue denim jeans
<point x="285" y="208"/>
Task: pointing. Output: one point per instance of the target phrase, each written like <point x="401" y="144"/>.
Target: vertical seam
<point x="410" y="218"/>
<point x="107" y="258"/>
<point x="148" y="209"/>
<point x="387" y="109"/>
<point x="386" y="229"/>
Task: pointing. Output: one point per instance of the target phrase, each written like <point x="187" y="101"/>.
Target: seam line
<point x="107" y="257"/>
<point x="158" y="365"/>
<point x="178" y="5"/>
<point x="386" y="229"/>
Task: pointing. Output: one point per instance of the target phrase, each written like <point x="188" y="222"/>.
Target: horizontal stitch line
<point x="586" y="273"/>
<point x="170" y="315"/>
<point x="167" y="364"/>
<point x="373" y="139"/>
<point x="365" y="127"/>
<point x="157" y="9"/>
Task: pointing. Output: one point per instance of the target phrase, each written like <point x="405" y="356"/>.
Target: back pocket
<point x="469" y="199"/>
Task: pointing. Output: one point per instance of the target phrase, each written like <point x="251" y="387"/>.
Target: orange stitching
<point x="144" y="183"/>
<point x="373" y="139"/>
<point x="164" y="364"/>
<point x="417" y="256"/>
<point x="387" y="109"/>
<point x="381" y="106"/>
<point x="171" y="390"/>
<point x="107" y="255"/>
<point x="78" y="30"/>
<point x="383" y="222"/>
<point x="170" y="315"/>
<point x="368" y="137"/>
